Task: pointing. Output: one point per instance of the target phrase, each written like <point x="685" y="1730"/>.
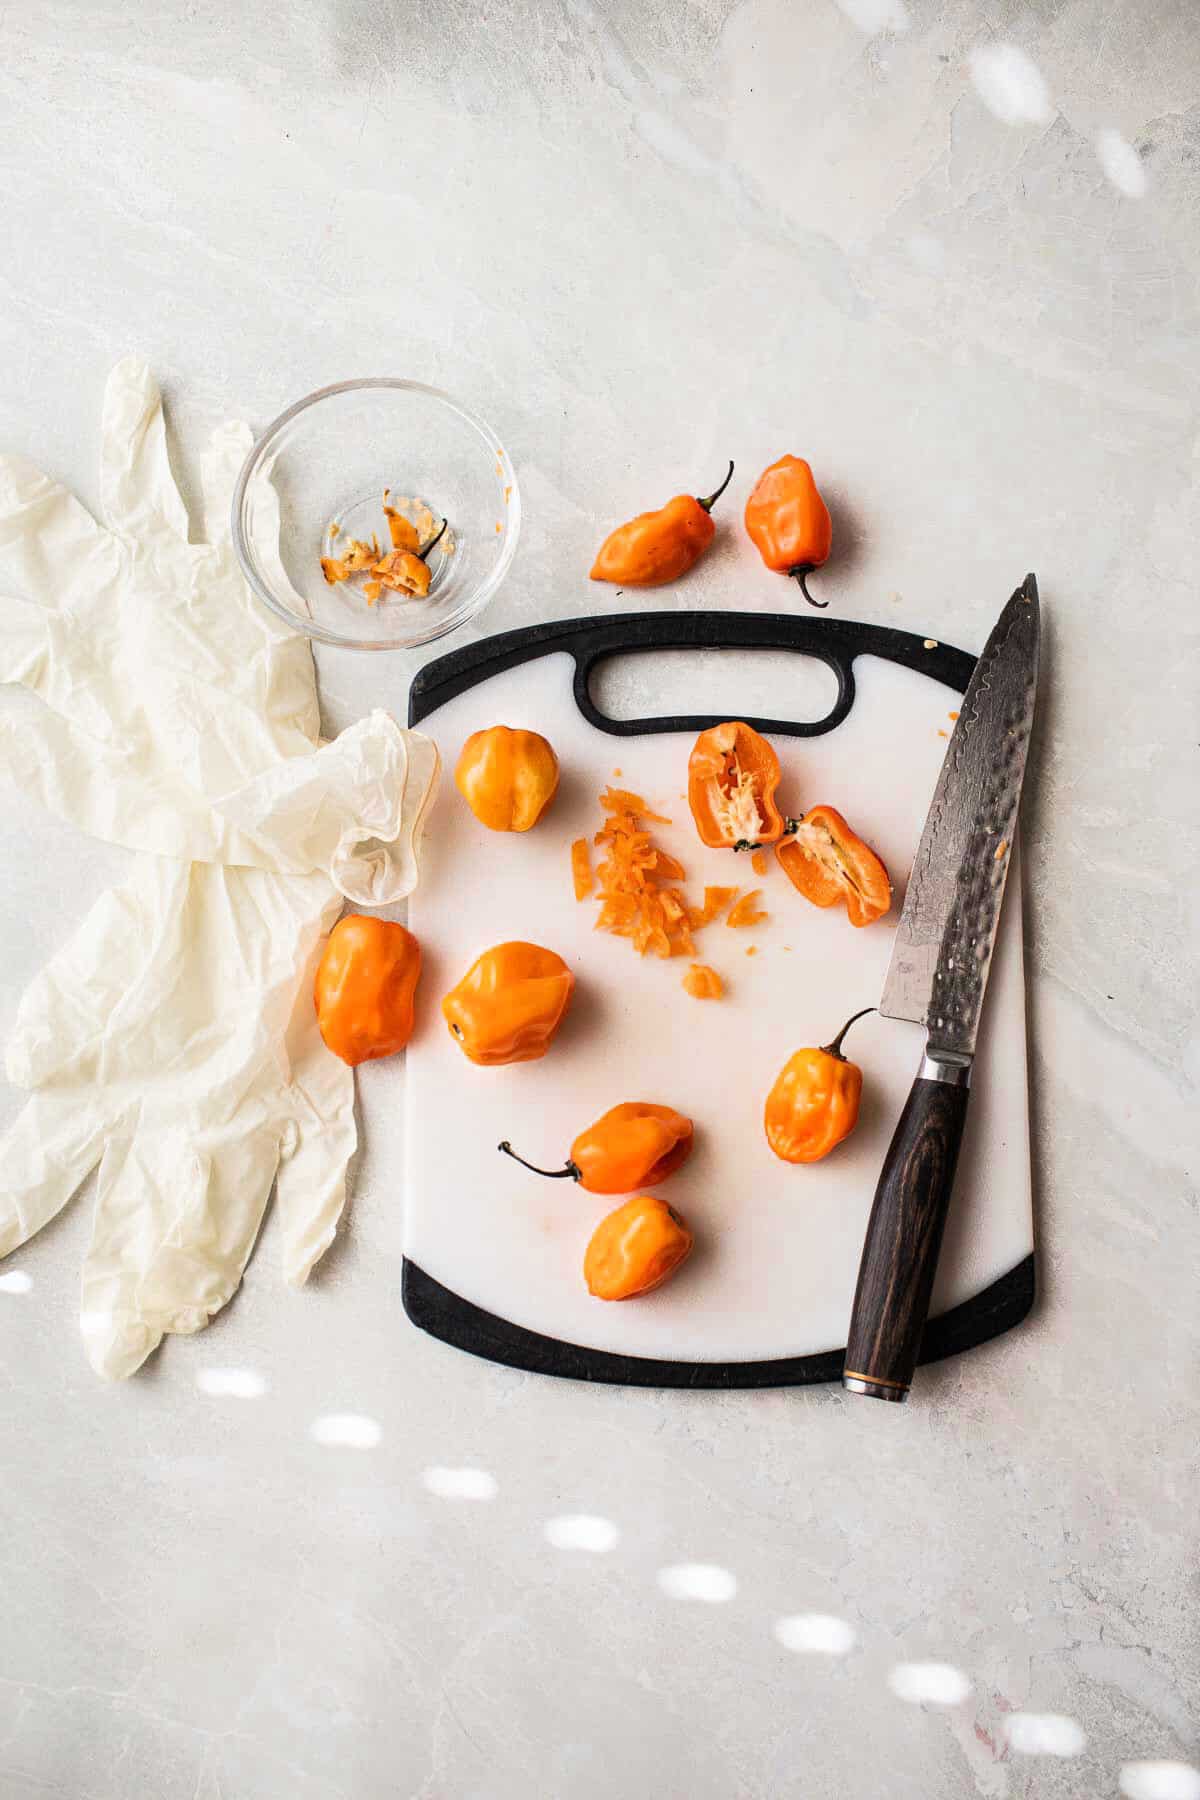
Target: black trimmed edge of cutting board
<point x="437" y="1309"/>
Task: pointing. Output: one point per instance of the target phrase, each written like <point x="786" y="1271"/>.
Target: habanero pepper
<point x="636" y="1248"/>
<point x="509" y="1004"/>
<point x="789" y="522"/>
<point x="658" y="547"/>
<point x="813" y="1105"/>
<point x="636" y="1144"/>
<point x="733" y="773"/>
<point x="364" y="988"/>
<point x="508" y="778"/>
<point x="827" y="862"/>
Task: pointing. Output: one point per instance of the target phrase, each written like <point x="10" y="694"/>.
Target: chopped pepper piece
<point x="747" y="911"/>
<point x="703" y="983"/>
<point x="827" y="862"/>
<point x="733" y="773"/>
<point x="581" y="868"/>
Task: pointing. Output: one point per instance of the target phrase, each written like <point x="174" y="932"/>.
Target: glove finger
<point x="377" y="869"/>
<point x="176" y="1219"/>
<point x="311" y="1184"/>
<point x="51" y="548"/>
<point x="52" y="1144"/>
<point x="136" y="484"/>
<point x="220" y="466"/>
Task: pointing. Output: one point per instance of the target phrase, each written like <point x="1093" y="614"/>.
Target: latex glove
<point x="183" y="715"/>
<point x="173" y="1041"/>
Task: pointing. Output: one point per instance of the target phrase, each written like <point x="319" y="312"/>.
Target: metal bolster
<point x="950" y="1067"/>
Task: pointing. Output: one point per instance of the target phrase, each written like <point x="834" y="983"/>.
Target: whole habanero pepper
<point x="636" y="1144"/>
<point x="636" y="1248"/>
<point x="364" y="988"/>
<point x="789" y="522"/>
<point x="509" y="1004"/>
<point x="813" y="1105"/>
<point x="827" y="862"/>
<point x="658" y="547"/>
<point x="508" y="778"/>
<point x="733" y="773"/>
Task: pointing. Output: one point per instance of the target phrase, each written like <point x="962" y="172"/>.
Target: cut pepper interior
<point x="827" y="861"/>
<point x="733" y="773"/>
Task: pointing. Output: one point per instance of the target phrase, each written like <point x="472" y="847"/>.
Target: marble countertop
<point x="950" y="252"/>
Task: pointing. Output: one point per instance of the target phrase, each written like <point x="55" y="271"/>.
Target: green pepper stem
<point x="801" y="572"/>
<point x="433" y="540"/>
<point x="835" y="1049"/>
<point x="571" y="1169"/>
<point x="713" y="498"/>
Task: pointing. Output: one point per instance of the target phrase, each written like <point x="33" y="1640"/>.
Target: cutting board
<point x="493" y="1254"/>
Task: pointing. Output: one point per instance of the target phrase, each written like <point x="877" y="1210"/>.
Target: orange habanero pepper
<point x="733" y="773"/>
<point x="509" y="1004"/>
<point x="828" y="862"/>
<point x="632" y="1145"/>
<point x="364" y="988"/>
<point x="508" y="778"/>
<point x="789" y="522"/>
<point x="636" y="1248"/>
<point x="406" y="571"/>
<point x="814" y="1102"/>
<point x="658" y="547"/>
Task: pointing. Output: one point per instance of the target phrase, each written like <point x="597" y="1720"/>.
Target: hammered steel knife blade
<point x="937" y="976"/>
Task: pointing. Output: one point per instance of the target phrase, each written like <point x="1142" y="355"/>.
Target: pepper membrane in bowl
<point x="325" y="463"/>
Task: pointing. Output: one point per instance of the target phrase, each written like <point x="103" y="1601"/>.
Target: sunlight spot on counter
<point x="460" y="1484"/>
<point x="581" y="1531"/>
<point x="1045" y="1734"/>
<point x="1159" y="1781"/>
<point x="1011" y="85"/>
<point x="938" y="1684"/>
<point x="821" y="1633"/>
<point x="698" y="1581"/>
<point x="231" y="1384"/>
<point x="15" y="1281"/>
<point x="872" y="16"/>
<point x="346" y="1431"/>
<point x="1121" y="163"/>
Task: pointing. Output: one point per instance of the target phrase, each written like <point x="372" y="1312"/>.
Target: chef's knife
<point x="937" y="976"/>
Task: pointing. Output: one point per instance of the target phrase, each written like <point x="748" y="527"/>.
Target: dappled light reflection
<point x="698" y="1581"/>
<point x="1121" y="163"/>
<point x="346" y="1431"/>
<point x="929" y="1683"/>
<point x="1011" y="85"/>
<point x="1159" y="1781"/>
<point x="231" y="1384"/>
<point x="15" y="1281"/>
<point x="460" y="1484"/>
<point x="1045" y="1734"/>
<point x="581" y="1531"/>
<point x="821" y="1634"/>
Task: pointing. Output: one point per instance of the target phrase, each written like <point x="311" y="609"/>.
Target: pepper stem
<point x="433" y="540"/>
<point x="713" y="498"/>
<point x="835" y="1049"/>
<point x="802" y="571"/>
<point x="550" y="1174"/>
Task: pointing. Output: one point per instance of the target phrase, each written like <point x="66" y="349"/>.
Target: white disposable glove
<point x="182" y="714"/>
<point x="173" y="1040"/>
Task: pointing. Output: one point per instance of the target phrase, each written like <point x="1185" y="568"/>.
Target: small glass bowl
<point x="316" y="479"/>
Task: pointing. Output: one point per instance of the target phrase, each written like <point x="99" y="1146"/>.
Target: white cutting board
<point x="778" y="1247"/>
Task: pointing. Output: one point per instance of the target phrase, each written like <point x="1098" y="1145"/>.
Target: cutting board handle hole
<point x="661" y="690"/>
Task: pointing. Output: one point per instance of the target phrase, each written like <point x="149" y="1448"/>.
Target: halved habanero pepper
<point x="636" y="1144"/>
<point x="733" y="773"/>
<point x="827" y="862"/>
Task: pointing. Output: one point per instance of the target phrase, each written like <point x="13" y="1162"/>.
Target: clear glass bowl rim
<point x="482" y="594"/>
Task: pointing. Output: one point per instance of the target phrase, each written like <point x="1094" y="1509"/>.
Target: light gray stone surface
<point x="640" y="239"/>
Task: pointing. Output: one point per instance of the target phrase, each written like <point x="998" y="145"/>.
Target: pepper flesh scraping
<point x="173" y="1040"/>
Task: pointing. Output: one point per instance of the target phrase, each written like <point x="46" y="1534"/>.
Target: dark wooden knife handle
<point x="904" y="1236"/>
